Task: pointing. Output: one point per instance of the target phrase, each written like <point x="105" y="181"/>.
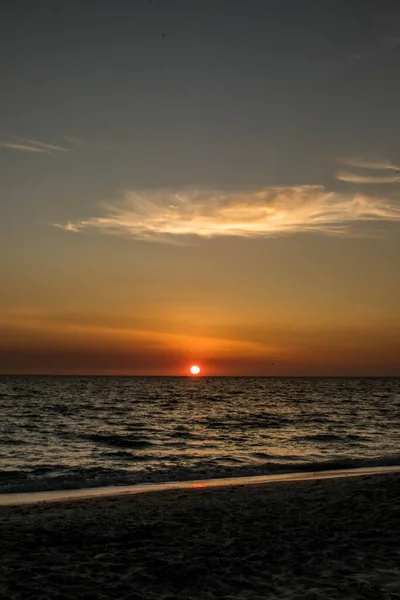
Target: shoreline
<point x="33" y="498"/>
<point x="310" y="539"/>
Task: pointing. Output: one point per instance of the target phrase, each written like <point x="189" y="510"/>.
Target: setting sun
<point x="195" y="370"/>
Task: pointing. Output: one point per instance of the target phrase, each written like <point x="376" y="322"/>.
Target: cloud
<point x="355" y="178"/>
<point x="171" y="215"/>
<point x="368" y="162"/>
<point x="28" y="145"/>
<point x="371" y="163"/>
<point x="49" y="147"/>
<point x="70" y="142"/>
<point x="23" y="147"/>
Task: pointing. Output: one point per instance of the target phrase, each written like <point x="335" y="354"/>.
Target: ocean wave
<point x="124" y="455"/>
<point x="11" y="442"/>
<point x="331" y="437"/>
<point x="131" y="430"/>
<point x="320" y="437"/>
<point x="254" y="421"/>
<point x="70" y="479"/>
<point x="119" y="441"/>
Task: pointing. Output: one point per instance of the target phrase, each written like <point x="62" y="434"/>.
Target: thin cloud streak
<point x="23" y="147"/>
<point x="48" y="147"/>
<point x="171" y="215"/>
<point x="27" y="145"/>
<point x="371" y="163"/>
<point x="354" y="178"/>
<point x="368" y="162"/>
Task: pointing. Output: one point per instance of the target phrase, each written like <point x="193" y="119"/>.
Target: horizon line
<point x="189" y="376"/>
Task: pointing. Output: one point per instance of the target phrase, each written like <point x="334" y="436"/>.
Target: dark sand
<point x="337" y="538"/>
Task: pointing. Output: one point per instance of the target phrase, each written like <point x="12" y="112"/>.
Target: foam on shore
<point x="80" y="494"/>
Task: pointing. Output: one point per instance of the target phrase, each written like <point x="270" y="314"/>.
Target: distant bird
<point x="163" y="35"/>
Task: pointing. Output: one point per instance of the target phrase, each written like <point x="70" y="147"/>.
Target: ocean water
<point x="80" y="432"/>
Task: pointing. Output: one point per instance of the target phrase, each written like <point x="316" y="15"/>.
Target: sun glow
<point x="195" y="370"/>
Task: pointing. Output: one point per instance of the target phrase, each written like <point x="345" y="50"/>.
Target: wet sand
<point x="308" y="540"/>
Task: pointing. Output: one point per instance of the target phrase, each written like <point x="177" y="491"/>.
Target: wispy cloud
<point x="171" y="215"/>
<point x="48" y="147"/>
<point x="27" y="145"/>
<point x="69" y="144"/>
<point x="355" y="178"/>
<point x="370" y="163"/>
<point x="23" y="147"/>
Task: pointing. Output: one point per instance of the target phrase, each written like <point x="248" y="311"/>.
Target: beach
<point x="309" y="540"/>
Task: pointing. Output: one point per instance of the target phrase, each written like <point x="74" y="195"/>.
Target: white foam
<point x="80" y="494"/>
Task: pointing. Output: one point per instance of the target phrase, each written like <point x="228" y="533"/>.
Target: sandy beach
<point x="308" y="540"/>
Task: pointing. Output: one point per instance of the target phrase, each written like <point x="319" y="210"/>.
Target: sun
<point x="195" y="370"/>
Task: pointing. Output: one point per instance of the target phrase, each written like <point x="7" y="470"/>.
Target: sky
<point x="211" y="182"/>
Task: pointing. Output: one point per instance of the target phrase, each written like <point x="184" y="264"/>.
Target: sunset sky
<point x="211" y="182"/>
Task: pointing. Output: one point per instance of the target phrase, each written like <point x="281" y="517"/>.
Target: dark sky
<point x="270" y="111"/>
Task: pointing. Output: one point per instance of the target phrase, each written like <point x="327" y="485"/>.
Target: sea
<point x="66" y="432"/>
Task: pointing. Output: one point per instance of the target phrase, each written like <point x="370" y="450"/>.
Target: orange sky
<point x="209" y="183"/>
<point x="225" y="317"/>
